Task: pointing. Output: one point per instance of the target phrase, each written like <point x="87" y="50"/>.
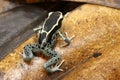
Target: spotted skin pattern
<point x="47" y="38"/>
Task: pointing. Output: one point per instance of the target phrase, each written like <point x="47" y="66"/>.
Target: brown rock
<point x="95" y="53"/>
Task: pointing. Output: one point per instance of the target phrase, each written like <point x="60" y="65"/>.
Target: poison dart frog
<point x="47" y="33"/>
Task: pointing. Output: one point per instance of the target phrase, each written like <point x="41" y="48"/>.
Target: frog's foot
<point x="68" y="39"/>
<point x="57" y="67"/>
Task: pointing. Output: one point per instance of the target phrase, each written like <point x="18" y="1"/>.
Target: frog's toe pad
<point x="57" y="67"/>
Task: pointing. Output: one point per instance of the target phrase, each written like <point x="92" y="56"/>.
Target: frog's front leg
<point x="55" y="57"/>
<point x="38" y="30"/>
<point x="66" y="38"/>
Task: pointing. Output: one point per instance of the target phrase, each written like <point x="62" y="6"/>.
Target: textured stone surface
<point x="97" y="30"/>
<point x="92" y="55"/>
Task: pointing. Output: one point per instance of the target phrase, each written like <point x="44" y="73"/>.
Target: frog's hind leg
<point x="54" y="60"/>
<point x="29" y="50"/>
<point x="27" y="53"/>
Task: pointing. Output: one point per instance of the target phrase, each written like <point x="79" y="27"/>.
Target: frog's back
<point x="50" y="26"/>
